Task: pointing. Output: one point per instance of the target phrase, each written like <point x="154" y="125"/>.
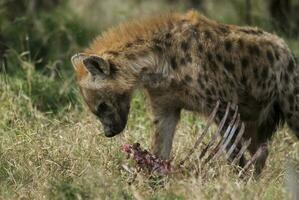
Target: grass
<point x="65" y="156"/>
<point x="51" y="146"/>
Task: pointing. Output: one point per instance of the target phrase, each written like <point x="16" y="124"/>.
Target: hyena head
<point x="100" y="83"/>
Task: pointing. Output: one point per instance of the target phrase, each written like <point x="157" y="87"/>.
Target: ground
<point x="68" y="157"/>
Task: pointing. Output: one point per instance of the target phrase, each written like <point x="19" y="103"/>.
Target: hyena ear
<point x="77" y="59"/>
<point x="97" y="65"/>
<point x="93" y="63"/>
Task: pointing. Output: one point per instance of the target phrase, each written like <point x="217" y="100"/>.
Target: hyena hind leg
<point x="290" y="107"/>
<point x="292" y="120"/>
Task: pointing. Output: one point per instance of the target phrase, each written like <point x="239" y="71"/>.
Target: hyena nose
<point x="111" y="131"/>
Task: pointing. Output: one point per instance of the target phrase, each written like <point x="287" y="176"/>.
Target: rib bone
<point x="228" y="140"/>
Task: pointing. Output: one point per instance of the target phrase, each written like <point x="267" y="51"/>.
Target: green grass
<point x="51" y="146"/>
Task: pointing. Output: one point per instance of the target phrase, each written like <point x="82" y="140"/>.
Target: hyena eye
<point x="103" y="107"/>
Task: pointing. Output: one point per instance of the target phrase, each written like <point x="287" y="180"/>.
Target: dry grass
<point x="67" y="157"/>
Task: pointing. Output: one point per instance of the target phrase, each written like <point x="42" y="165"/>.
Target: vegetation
<point x="51" y="147"/>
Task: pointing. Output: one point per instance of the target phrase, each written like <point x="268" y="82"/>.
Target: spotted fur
<point x="186" y="61"/>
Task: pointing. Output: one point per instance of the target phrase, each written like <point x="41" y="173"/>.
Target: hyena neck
<point x="157" y="72"/>
<point x="144" y="65"/>
<point x="154" y="61"/>
<point x="145" y="50"/>
<point x="153" y="69"/>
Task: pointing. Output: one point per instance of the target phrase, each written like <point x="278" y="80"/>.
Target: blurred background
<point x="38" y="37"/>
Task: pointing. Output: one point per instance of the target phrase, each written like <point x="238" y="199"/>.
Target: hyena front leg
<point x="252" y="132"/>
<point x="260" y="133"/>
<point x="165" y="120"/>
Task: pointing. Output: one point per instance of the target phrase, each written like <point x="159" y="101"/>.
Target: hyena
<point x="187" y="61"/>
